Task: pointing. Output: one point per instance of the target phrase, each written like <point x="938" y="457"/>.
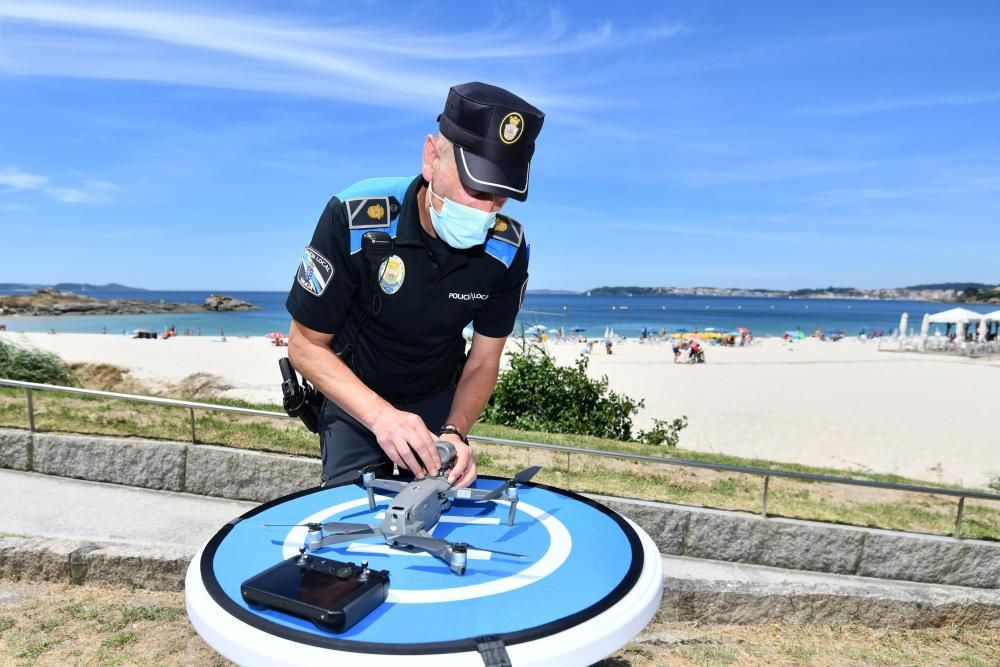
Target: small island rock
<point x="226" y="303"/>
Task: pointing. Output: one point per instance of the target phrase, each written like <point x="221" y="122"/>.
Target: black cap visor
<point x="506" y="178"/>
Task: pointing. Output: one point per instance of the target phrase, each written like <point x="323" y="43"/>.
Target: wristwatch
<point x="453" y="430"/>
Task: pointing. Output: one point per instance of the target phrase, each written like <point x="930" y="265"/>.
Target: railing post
<point x="958" y="517"/>
<point x="194" y="439"/>
<point x="567" y="461"/>
<point x="31" y="410"/>
<point x="767" y="483"/>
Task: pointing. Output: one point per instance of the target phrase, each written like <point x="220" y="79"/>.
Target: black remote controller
<point x="331" y="594"/>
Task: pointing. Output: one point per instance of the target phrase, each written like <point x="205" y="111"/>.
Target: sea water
<point x="572" y="313"/>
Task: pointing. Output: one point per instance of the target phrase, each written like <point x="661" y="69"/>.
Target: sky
<point x="183" y="145"/>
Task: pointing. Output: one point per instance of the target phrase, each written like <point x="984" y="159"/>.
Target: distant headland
<point x="944" y="292"/>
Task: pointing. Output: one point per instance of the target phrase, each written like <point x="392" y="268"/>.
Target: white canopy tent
<point x="955" y="316"/>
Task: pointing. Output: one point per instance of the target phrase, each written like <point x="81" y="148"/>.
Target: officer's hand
<point x="463" y="472"/>
<point x="404" y="438"/>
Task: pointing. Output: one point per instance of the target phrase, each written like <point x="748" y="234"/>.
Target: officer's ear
<point x="430" y="158"/>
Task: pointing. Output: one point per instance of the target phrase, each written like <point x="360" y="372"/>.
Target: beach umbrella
<point x="273" y="335"/>
<point x="960" y="331"/>
<point x="903" y="321"/>
<point x="925" y="327"/>
<point x="983" y="329"/>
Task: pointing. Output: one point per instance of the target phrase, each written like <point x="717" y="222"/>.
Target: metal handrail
<point x="766" y="473"/>
<point x="143" y="399"/>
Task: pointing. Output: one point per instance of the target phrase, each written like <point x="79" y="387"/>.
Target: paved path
<point x="43" y="506"/>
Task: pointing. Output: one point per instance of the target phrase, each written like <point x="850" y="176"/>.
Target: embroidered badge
<point x="511" y="127"/>
<point x="391" y="274"/>
<point x="376" y="212"/>
<point x="315" y="272"/>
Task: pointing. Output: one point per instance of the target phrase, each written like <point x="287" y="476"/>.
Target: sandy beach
<point x="844" y="404"/>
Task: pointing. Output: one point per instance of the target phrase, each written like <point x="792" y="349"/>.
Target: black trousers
<point x="347" y="446"/>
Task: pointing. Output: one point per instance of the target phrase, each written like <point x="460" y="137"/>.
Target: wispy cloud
<point x="15" y="179"/>
<point x="902" y="104"/>
<point x="79" y="195"/>
<point x="374" y="65"/>
<point x="89" y="191"/>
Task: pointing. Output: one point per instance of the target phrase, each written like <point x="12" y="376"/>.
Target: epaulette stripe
<point x="512" y="231"/>
<point x="371" y="212"/>
<point x="502" y="252"/>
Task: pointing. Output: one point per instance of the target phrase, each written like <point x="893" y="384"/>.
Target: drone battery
<point x="331" y="594"/>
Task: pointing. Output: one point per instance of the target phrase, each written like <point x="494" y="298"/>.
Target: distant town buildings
<point x="979" y="294"/>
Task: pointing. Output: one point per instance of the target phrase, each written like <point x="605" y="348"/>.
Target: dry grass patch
<point x="58" y="624"/>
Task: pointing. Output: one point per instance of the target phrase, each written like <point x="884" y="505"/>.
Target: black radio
<point x="331" y="594"/>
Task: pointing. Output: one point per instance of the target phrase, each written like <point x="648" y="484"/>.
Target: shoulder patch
<point x="371" y="212"/>
<point x="315" y="272"/>
<point x="508" y="230"/>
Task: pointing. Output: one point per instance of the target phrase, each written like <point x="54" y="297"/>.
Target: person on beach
<point x="396" y="268"/>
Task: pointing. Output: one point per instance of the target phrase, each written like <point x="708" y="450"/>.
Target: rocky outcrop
<point x="48" y="301"/>
<point x="226" y="303"/>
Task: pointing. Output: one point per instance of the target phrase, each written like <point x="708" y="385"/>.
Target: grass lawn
<point x="45" y="623"/>
<point x="860" y="506"/>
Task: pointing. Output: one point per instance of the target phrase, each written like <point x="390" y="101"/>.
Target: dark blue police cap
<point x="494" y="134"/>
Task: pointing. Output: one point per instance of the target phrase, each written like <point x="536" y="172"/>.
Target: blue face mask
<point x="458" y="225"/>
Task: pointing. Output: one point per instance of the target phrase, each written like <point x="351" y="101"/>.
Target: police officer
<point x="396" y="268"/>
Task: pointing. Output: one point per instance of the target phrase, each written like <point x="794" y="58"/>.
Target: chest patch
<point x="391" y="274"/>
<point x="315" y="272"/>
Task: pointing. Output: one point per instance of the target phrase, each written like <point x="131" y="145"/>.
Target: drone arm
<point x="475" y="495"/>
<point x="343" y="537"/>
<point x="389" y="485"/>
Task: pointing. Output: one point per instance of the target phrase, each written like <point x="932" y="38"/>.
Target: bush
<point x="664" y="432"/>
<point x="535" y="394"/>
<point x="28" y="365"/>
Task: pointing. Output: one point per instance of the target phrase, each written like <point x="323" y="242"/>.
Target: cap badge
<point x="376" y="212"/>
<point x="511" y="128"/>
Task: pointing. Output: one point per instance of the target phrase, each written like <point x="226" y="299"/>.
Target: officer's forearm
<point x="473" y="391"/>
<point x="334" y="378"/>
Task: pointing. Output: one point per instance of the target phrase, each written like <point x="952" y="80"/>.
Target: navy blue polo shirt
<point x="411" y="344"/>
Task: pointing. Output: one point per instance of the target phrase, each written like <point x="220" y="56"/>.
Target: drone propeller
<point x="520" y="478"/>
<point x="332" y="527"/>
<point x="525" y="475"/>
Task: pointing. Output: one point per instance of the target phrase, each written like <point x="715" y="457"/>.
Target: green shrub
<point x="535" y="394"/>
<point x="28" y="365"/>
<point x="667" y="433"/>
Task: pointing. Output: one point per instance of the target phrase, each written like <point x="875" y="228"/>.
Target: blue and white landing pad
<point x="591" y="582"/>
